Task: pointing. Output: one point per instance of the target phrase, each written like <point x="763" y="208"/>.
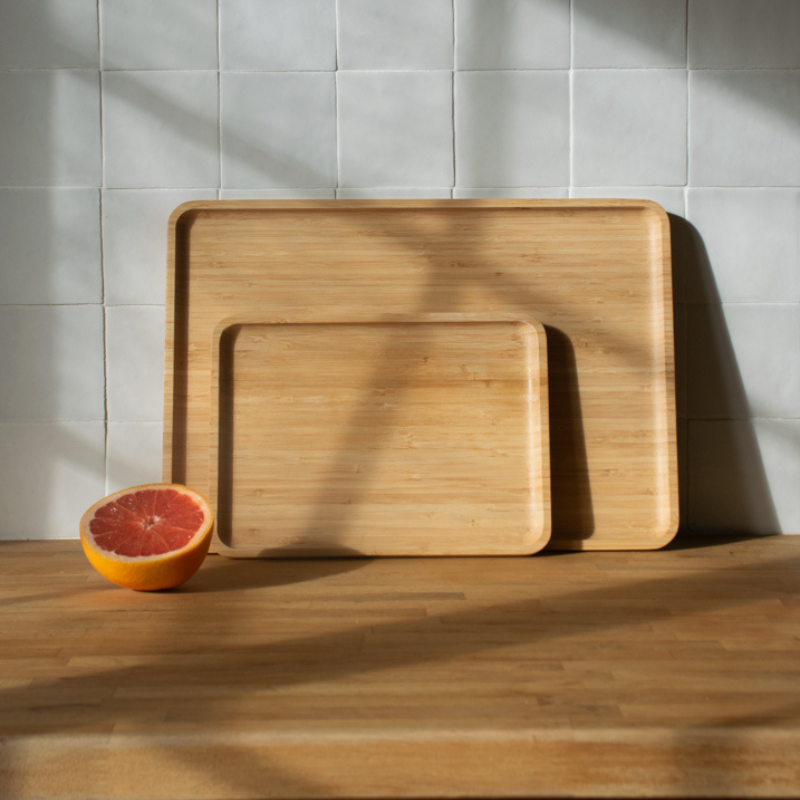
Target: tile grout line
<point x="453" y="104"/>
<point x="101" y="192"/>
<point x="685" y="359"/>
<point x="336" y="127"/>
<point x="219" y="103"/>
<point x="571" y="109"/>
<point x="688" y="76"/>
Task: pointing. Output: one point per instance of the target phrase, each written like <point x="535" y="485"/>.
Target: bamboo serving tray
<point x="595" y="273"/>
<point x="418" y="435"/>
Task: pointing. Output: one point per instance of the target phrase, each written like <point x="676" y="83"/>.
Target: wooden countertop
<point x="667" y="673"/>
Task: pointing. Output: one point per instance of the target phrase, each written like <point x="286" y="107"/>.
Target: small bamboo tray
<point x="419" y="435"/>
<point x="595" y="273"/>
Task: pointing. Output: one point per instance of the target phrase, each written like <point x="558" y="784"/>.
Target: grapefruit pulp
<point x="148" y="537"/>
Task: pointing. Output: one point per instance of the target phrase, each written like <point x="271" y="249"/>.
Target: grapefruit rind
<point x="149" y="573"/>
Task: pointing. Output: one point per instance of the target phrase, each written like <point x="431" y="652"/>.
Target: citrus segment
<point x="148" y="537"/>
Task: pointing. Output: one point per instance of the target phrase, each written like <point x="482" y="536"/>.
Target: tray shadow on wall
<point x="724" y="484"/>
<point x="571" y="496"/>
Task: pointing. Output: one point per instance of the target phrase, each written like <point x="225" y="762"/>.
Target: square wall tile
<point x="512" y="129"/>
<point x="670" y="198"/>
<point x="751" y="239"/>
<point x="512" y="34"/>
<point x="779" y="443"/>
<point x="50" y="246"/>
<point x="390" y="193"/>
<point x="55" y="355"/>
<point x="159" y="34"/>
<point x="278" y="35"/>
<point x="744" y="361"/>
<point x="49" y="34"/>
<point x="629" y="128"/>
<point x="742" y="34"/>
<point x="135" y="242"/>
<point x="135" y="357"/>
<point x="52" y="472"/>
<point x="385" y="34"/>
<point x="133" y="454"/>
<point x="278" y="129"/>
<point x="50" y="128"/>
<point x="743" y="476"/>
<point x="395" y="129"/>
<point x="743" y="128"/>
<point x="524" y="193"/>
<point x="161" y="129"/>
<point x="277" y="194"/>
<point x="629" y="34"/>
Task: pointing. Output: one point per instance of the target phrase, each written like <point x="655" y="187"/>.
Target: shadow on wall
<point x="724" y="482"/>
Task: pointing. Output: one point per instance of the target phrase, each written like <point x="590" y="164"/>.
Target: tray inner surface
<point x="415" y="437"/>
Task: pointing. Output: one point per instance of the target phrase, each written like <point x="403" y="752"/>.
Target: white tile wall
<point x="159" y="34"/>
<point x="628" y="34"/>
<point x="392" y="193"/>
<point x="161" y="129"/>
<point x="512" y="128"/>
<point x="512" y="34"/>
<point x="277" y="194"/>
<point x="760" y="499"/>
<point x="385" y="34"/>
<point x="133" y="454"/>
<point x="49" y="34"/>
<point x="742" y="34"/>
<point x="58" y="472"/>
<point x="50" y="128"/>
<point x="135" y="363"/>
<point x="744" y="361"/>
<point x="744" y="128"/>
<point x="535" y="193"/>
<point x="51" y="357"/>
<point x="620" y="136"/>
<point x="395" y="129"/>
<point x="50" y="246"/>
<point x="278" y="129"/>
<point x="752" y="238"/>
<point x="278" y="35"/>
<point x="112" y="112"/>
<point x="135" y="242"/>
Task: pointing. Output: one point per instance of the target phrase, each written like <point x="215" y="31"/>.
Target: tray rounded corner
<point x="185" y="210"/>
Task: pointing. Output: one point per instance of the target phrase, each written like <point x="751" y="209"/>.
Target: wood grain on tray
<point x="595" y="273"/>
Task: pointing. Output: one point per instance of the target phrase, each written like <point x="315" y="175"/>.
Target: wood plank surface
<point x="595" y="273"/>
<point x="672" y="674"/>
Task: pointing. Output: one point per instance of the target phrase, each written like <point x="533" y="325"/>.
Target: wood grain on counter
<point x="673" y="673"/>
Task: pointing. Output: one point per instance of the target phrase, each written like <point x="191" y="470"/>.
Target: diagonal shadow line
<point x="202" y="130"/>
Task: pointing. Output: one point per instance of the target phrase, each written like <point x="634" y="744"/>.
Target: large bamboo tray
<point x="596" y="273"/>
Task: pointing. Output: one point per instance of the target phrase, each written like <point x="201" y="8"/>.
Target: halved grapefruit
<point x="148" y="537"/>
